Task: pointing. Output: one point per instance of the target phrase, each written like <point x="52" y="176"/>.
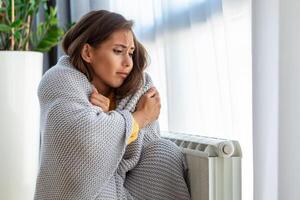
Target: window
<point x="200" y="54"/>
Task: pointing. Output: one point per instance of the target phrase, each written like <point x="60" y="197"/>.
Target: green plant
<point x="17" y="30"/>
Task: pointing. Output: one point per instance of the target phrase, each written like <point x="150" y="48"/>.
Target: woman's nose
<point x="127" y="61"/>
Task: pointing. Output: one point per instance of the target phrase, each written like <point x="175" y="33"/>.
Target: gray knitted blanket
<point x="84" y="154"/>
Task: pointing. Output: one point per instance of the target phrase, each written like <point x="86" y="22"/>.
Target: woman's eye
<point x="117" y="51"/>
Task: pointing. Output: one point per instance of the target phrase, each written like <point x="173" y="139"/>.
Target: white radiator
<point x="214" y="166"/>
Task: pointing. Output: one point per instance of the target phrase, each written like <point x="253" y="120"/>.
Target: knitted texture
<point x="84" y="151"/>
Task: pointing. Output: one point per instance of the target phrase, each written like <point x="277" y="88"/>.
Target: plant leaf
<point x="2" y="10"/>
<point x="16" y="24"/>
<point x="5" y="28"/>
<point x="51" y="39"/>
<point x="17" y="35"/>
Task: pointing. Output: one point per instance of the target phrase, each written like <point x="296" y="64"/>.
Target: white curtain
<point x="201" y="63"/>
<point x="200" y="54"/>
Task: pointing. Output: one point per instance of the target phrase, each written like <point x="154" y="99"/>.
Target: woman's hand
<point x="148" y="108"/>
<point x="98" y="99"/>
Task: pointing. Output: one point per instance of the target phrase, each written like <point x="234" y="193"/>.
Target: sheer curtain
<point x="200" y="54"/>
<point x="201" y="63"/>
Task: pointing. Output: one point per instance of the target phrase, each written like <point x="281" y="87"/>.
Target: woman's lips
<point x="122" y="74"/>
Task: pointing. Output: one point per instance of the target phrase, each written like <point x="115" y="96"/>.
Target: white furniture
<point x="20" y="73"/>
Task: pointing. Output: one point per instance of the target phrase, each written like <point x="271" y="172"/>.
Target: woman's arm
<point x="81" y="145"/>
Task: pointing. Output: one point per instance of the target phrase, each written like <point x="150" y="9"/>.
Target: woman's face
<point x="112" y="60"/>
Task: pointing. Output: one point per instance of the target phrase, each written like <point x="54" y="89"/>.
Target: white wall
<point x="276" y="99"/>
<point x="289" y="98"/>
<point x="265" y="45"/>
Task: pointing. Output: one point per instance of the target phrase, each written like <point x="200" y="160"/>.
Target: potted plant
<point x="21" y="64"/>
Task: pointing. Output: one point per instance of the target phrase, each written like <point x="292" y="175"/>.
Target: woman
<point x="100" y="137"/>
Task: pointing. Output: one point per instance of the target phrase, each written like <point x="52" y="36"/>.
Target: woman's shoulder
<point x="64" y="71"/>
<point x="62" y="68"/>
<point x="64" y="77"/>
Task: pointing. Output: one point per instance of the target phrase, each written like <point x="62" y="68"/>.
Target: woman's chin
<point x="117" y="84"/>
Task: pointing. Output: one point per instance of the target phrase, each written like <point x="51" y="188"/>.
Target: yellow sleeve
<point x="134" y="132"/>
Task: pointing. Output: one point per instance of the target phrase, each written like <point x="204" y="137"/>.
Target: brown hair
<point x="94" y="28"/>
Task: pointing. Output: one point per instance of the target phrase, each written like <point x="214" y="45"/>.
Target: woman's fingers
<point x="95" y="90"/>
<point x="100" y="104"/>
<point x="97" y="102"/>
<point x="100" y="98"/>
<point x="151" y="92"/>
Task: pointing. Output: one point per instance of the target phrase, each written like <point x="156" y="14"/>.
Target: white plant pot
<point x="20" y="74"/>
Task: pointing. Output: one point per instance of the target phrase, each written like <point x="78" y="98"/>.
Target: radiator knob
<point x="227" y="149"/>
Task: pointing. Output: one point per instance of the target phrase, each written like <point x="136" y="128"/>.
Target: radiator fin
<point x="214" y="166"/>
